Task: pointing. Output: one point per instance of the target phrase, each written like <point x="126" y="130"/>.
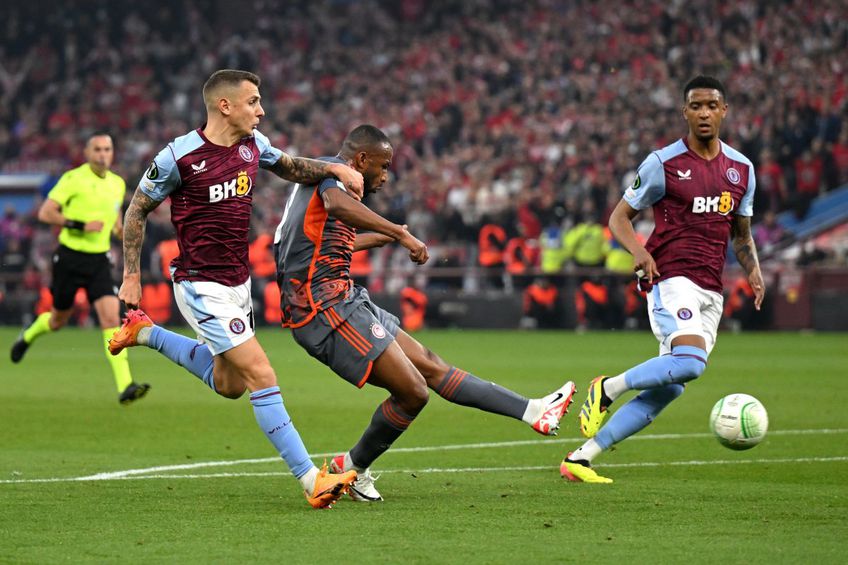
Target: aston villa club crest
<point x="733" y="175"/>
<point x="245" y="153"/>
<point x="237" y="326"/>
<point x="684" y="314"/>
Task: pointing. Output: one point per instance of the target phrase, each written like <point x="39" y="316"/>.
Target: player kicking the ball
<point x="702" y="192"/>
<point x="338" y="324"/>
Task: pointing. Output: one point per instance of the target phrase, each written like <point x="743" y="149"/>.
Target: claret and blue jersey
<point x="694" y="201"/>
<point x="211" y="190"/>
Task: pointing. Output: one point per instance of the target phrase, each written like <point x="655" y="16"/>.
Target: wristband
<point x="74" y="225"/>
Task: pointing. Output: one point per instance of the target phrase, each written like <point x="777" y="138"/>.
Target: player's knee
<point x="672" y="391"/>
<point x="230" y="391"/>
<point x="229" y="387"/>
<point x="688" y="368"/>
<point x="415" y="398"/>
<point x="433" y="369"/>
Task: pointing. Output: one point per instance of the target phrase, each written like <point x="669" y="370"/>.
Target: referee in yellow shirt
<point x="86" y="203"/>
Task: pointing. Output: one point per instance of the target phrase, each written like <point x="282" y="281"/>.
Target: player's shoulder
<point x="735" y="154"/>
<point x="184" y="145"/>
<point x="260" y="138"/>
<point x="670" y="151"/>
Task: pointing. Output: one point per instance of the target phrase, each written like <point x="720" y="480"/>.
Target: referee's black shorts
<point x="73" y="270"/>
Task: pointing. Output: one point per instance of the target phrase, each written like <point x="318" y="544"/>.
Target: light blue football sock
<point x="636" y="414"/>
<point x="272" y="417"/>
<point x="185" y="352"/>
<point x="683" y="365"/>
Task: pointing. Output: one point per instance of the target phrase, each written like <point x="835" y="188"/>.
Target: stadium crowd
<point x="531" y="116"/>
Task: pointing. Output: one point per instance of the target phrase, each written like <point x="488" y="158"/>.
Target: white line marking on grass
<point x="146" y="472"/>
<point x="451" y="469"/>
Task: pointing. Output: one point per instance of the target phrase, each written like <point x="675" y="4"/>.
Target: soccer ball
<point x="739" y="421"/>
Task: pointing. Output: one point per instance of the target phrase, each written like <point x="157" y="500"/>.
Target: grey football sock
<point x="387" y="424"/>
<point x="463" y="388"/>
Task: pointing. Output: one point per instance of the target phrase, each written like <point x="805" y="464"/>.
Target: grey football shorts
<point x="349" y="336"/>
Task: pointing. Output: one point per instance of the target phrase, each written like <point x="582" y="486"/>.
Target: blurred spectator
<point x="839" y="150"/>
<point x="495" y="107"/>
<point x="768" y="233"/>
<point x="771" y="193"/>
<point x="808" y="180"/>
<point x="491" y="245"/>
<point x="413" y="307"/>
<point x="542" y="305"/>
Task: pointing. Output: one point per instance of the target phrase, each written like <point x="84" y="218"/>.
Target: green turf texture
<point x="785" y="501"/>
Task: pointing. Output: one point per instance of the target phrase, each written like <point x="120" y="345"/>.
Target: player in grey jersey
<point x="336" y="322"/>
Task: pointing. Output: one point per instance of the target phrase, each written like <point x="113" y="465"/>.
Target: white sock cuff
<point x="307" y="480"/>
<point x="615" y="386"/>
<point x="143" y="336"/>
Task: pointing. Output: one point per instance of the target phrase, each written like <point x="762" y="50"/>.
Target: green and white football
<point x="739" y="421"/>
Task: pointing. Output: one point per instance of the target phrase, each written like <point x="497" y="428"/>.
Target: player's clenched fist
<point x="417" y="249"/>
<point x="130" y="292"/>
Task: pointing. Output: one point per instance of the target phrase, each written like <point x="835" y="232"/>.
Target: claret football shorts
<point x="222" y="316"/>
<point x="677" y="306"/>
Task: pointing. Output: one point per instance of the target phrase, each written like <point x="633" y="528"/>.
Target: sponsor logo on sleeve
<point x="152" y="171"/>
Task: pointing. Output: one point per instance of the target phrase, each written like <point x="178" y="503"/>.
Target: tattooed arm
<point x="135" y="221"/>
<point x="746" y="254"/>
<point x="311" y="171"/>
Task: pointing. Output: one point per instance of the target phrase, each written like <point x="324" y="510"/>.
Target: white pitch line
<point x="129" y="473"/>
<point x="691" y="463"/>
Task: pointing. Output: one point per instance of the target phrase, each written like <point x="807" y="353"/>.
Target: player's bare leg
<point x="395" y="372"/>
<point x="246" y="367"/>
<point x="460" y="387"/>
<point x="230" y="374"/>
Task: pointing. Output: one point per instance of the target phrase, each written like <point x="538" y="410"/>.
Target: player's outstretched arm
<point x="746" y="254"/>
<point x="371" y="240"/>
<point x="359" y="216"/>
<point x="310" y="171"/>
<point x="135" y="221"/>
<point x="621" y="226"/>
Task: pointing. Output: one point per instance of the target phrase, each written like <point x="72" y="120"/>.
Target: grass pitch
<point x="183" y="476"/>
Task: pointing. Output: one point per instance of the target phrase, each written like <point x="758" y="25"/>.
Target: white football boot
<point x="362" y="489"/>
<point x="544" y="414"/>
